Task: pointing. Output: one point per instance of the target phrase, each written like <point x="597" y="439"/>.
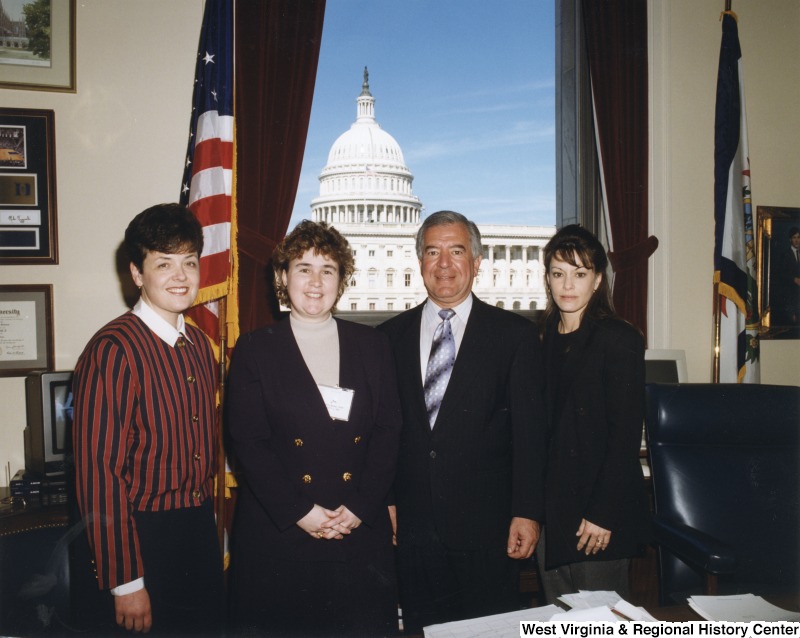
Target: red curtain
<point x="277" y="49"/>
<point x="616" y="39"/>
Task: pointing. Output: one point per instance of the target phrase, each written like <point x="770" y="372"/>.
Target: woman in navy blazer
<point x="596" y="515"/>
<point x="314" y="417"/>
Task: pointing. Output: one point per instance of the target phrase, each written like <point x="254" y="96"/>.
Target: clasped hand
<point x="322" y="523"/>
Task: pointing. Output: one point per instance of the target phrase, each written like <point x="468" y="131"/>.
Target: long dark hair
<point x="574" y="244"/>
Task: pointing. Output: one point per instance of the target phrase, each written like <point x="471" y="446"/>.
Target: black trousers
<point x="183" y="577"/>
<point x="290" y="598"/>
<point x="438" y="584"/>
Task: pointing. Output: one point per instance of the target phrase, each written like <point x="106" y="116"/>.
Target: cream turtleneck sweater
<point x="319" y="345"/>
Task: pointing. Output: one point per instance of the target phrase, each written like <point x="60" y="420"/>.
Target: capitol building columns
<point x="366" y="193"/>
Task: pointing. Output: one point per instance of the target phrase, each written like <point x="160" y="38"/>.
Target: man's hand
<point x="523" y="535"/>
<point x="133" y="611"/>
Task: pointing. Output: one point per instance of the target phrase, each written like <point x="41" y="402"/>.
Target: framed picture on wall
<point x="26" y="329"/>
<point x="37" y="45"/>
<point x="28" y="221"/>
<point x="779" y="271"/>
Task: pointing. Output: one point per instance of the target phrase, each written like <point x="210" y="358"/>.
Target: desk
<point x="684" y="613"/>
<point x="32" y="552"/>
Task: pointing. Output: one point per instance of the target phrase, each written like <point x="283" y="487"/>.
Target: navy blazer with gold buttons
<point x="293" y="455"/>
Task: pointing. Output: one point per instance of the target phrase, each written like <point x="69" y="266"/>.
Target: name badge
<point x="337" y="400"/>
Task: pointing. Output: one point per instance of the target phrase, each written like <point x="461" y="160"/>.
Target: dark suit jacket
<point x="596" y="414"/>
<point x="294" y="455"/>
<point x="482" y="463"/>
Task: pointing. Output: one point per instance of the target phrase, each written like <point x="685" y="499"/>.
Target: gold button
<point x="306" y="478"/>
<point x="197" y="457"/>
<point x="346" y="476"/>
<point x="196" y="494"/>
<point x="195" y="418"/>
<point x="298" y="442"/>
<point x="190" y="378"/>
<point x="357" y="440"/>
<point x="181" y="343"/>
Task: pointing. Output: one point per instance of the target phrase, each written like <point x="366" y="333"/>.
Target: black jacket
<point x="595" y="404"/>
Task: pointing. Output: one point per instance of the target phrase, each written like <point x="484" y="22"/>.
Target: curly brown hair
<point x="323" y="240"/>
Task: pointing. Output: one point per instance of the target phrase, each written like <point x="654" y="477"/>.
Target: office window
<point x="353" y="305"/>
<point x="407" y="280"/>
<point x="389" y="279"/>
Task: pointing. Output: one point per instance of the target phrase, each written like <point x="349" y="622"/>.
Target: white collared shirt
<point x="431" y="320"/>
<point x="163" y="329"/>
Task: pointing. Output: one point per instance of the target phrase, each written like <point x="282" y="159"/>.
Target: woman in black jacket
<point x="596" y="510"/>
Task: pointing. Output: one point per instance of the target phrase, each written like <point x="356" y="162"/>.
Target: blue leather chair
<point x="725" y="466"/>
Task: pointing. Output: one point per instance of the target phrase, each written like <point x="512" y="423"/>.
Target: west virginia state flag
<point x="734" y="245"/>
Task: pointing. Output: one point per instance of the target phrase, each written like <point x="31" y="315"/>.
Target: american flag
<point x="208" y="171"/>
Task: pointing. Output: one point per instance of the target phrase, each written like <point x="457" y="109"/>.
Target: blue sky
<point x="467" y="89"/>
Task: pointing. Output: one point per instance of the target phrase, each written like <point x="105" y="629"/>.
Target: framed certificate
<point x="26" y="329"/>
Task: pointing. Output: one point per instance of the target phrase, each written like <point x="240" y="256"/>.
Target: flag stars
<point x="209" y="58"/>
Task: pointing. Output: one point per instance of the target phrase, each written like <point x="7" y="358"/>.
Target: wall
<point x="684" y="45"/>
<point x="120" y="146"/>
<point x="120" y="142"/>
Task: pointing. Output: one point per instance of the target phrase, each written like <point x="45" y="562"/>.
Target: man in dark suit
<point x="468" y="491"/>
<point x="787" y="292"/>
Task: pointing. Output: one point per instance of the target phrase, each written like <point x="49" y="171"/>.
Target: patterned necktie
<point x="440" y="365"/>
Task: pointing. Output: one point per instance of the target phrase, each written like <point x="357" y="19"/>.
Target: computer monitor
<point x="665" y="366"/>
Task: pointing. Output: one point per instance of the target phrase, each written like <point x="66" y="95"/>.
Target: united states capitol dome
<point x="366" y="178"/>
<point x="365" y="144"/>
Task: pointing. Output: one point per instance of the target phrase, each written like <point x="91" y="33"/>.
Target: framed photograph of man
<point x="779" y="271"/>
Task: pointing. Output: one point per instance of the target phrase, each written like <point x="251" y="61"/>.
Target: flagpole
<point x="717" y="319"/>
<point x="220" y="496"/>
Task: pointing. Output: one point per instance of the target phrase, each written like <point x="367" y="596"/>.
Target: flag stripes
<point x="208" y="172"/>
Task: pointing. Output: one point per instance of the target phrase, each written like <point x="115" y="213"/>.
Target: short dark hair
<point x="323" y="240"/>
<point x="794" y="230"/>
<point x="571" y="244"/>
<point x="443" y="218"/>
<point x="163" y="228"/>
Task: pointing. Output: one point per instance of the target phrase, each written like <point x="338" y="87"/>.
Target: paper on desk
<point x="593" y="599"/>
<point x="634" y="613"/>
<point x="588" y="599"/>
<point x="739" y="608"/>
<point x="603" y="613"/>
<point x="500" y="625"/>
